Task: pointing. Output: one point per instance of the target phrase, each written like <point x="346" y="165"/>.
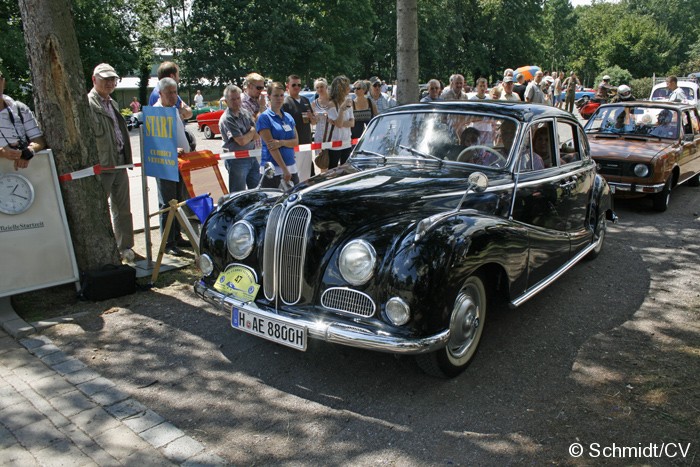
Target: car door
<point x="690" y="139"/>
<point x="538" y="201"/>
<point x="574" y="159"/>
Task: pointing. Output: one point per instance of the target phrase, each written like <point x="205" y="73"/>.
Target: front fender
<point x="428" y="273"/>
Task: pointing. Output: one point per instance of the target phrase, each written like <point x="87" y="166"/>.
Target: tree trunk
<point x="64" y="116"/>
<point x="407" y="51"/>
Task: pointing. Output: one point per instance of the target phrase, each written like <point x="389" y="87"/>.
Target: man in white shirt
<point x="534" y="93"/>
<point x="508" y="94"/>
<point x="675" y="94"/>
<point x="455" y="91"/>
<point x="20" y="136"/>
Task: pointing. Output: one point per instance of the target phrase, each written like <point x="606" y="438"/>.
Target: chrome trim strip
<point x="510" y="186"/>
<point x="554" y="276"/>
<point x="637" y="187"/>
<point x="329" y="330"/>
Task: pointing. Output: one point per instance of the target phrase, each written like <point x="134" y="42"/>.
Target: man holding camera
<point x="20" y="136"/>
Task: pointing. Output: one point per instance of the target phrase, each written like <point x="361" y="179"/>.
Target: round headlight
<point x="240" y="239"/>
<point x="357" y="262"/>
<point x="397" y="311"/>
<point x="205" y="264"/>
<point x="641" y="170"/>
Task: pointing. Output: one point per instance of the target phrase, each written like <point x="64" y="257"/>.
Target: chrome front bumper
<point x="329" y="330"/>
<point x="635" y="187"/>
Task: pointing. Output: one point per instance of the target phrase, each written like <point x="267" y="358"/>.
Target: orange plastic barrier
<point x="198" y="160"/>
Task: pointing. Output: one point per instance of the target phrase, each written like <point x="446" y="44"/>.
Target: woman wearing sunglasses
<point x="363" y="108"/>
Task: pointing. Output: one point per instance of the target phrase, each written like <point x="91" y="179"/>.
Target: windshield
<point x="460" y="137"/>
<point x="661" y="94"/>
<point x="638" y="121"/>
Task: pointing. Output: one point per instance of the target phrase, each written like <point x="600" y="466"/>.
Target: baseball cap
<point x="508" y="79"/>
<point x="606" y="78"/>
<point x="104" y="70"/>
<point x="374" y="79"/>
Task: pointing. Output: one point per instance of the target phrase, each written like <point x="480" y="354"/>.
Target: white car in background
<point x="689" y="85"/>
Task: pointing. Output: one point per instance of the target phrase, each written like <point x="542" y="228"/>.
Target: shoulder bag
<point x="322" y="161"/>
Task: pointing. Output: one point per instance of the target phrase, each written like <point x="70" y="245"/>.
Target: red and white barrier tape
<point x="98" y="169"/>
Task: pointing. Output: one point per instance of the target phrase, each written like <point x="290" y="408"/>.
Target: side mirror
<point x="478" y="182"/>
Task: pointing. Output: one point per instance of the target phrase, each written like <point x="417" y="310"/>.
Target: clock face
<point x="16" y="193"/>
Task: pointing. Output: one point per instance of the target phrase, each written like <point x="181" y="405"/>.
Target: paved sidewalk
<point x="55" y="411"/>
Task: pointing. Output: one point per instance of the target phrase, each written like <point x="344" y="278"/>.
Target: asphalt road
<point x="547" y="374"/>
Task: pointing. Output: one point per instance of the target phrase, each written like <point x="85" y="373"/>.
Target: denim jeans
<point x="242" y="173"/>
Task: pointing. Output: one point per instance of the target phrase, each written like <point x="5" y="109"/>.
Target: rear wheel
<point x="208" y="134"/>
<point x="466" y="326"/>
<point x="662" y="198"/>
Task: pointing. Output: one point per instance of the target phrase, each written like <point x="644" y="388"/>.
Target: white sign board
<point x="35" y="245"/>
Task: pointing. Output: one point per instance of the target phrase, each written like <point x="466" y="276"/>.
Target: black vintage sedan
<point x="442" y="210"/>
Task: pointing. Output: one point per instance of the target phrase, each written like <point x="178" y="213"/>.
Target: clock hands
<point x="12" y="193"/>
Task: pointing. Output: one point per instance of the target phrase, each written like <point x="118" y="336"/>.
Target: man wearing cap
<point x="455" y="91"/>
<point x="508" y="94"/>
<point x="604" y="89"/>
<point x="376" y="95"/>
<point x="20" y="136"/>
<point x="113" y="150"/>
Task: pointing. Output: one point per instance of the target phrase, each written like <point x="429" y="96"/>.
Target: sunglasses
<point x="259" y="88"/>
<point x="376" y="85"/>
<point x="432" y="88"/>
<point x="295" y="85"/>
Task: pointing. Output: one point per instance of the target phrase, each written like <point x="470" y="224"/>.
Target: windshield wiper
<point x="419" y="153"/>
<point x="370" y="153"/>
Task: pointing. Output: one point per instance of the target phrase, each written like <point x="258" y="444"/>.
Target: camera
<point x="23" y="145"/>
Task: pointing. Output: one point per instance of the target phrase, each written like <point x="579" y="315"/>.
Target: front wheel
<point x="208" y="134"/>
<point x="598" y="237"/>
<point x="466" y="326"/>
<point x="663" y="198"/>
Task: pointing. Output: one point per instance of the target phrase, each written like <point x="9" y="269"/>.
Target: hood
<point x="395" y="191"/>
<point x="626" y="148"/>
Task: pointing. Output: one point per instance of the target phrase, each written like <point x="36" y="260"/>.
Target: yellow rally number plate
<point x="239" y="282"/>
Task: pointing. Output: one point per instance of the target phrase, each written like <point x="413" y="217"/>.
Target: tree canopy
<point x="224" y="41"/>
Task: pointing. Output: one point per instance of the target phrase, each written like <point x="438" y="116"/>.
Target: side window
<point x="695" y="121"/>
<point x="685" y="121"/>
<point x="536" y="151"/>
<point x="568" y="143"/>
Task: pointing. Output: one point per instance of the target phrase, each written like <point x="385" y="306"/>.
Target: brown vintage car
<point x="646" y="148"/>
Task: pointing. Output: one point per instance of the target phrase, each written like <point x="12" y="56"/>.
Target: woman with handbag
<point x="320" y="107"/>
<point x="279" y="137"/>
<point x="340" y="120"/>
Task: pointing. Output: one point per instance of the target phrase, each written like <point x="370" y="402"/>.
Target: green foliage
<point x="13" y="59"/>
<point x="641" y="87"/>
<point x="617" y="75"/>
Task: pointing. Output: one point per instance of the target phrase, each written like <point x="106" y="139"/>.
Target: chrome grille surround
<point x="284" y="252"/>
<point x="349" y="301"/>
<point x="291" y="253"/>
<point x="269" y="253"/>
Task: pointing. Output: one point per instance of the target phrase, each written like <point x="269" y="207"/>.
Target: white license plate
<point x="269" y="328"/>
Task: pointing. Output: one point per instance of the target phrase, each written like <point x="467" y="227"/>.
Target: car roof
<point x="662" y="104"/>
<point x="520" y="111"/>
